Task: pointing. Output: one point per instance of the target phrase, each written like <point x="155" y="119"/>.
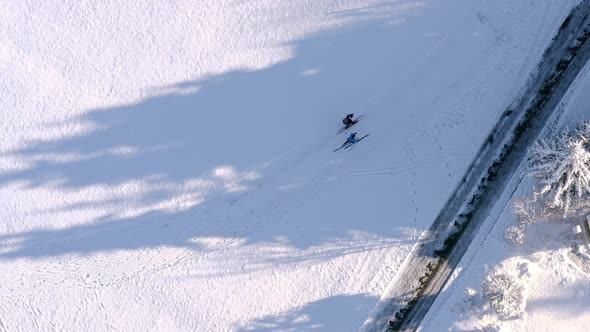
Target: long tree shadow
<point x="336" y="313"/>
<point x="199" y="139"/>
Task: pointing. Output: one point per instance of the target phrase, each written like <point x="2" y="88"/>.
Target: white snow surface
<point x="554" y="260"/>
<point x="168" y="166"/>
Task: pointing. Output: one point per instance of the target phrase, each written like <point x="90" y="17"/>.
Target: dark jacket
<point x="348" y="119"/>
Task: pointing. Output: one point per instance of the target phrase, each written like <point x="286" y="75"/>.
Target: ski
<point x="360" y="139"/>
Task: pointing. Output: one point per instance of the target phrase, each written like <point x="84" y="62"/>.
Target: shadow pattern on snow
<point x="330" y="314"/>
<point x="201" y="146"/>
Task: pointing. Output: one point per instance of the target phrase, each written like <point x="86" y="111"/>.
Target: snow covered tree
<point x="506" y="293"/>
<point x="490" y="327"/>
<point x="526" y="211"/>
<point x="561" y="164"/>
<point x="467" y="302"/>
<point x="515" y="234"/>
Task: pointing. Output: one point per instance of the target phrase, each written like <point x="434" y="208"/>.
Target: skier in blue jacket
<point x="351" y="139"/>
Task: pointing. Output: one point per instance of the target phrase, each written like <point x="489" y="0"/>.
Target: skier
<point x="348" y="121"/>
<point x="350" y="140"/>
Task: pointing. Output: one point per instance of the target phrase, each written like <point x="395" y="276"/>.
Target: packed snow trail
<point x="433" y="260"/>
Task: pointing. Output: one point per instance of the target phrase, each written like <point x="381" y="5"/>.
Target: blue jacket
<point x="351" y="138"/>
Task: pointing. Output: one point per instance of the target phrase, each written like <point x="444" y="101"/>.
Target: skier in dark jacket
<point x="348" y="121"/>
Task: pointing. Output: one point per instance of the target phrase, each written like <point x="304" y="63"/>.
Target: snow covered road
<point x="430" y="266"/>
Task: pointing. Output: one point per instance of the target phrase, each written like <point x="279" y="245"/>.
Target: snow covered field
<point x="170" y="166"/>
